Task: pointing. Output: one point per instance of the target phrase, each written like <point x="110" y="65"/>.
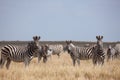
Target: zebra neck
<point x="30" y="52"/>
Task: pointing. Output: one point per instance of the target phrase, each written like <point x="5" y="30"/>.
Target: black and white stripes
<point x="19" y="53"/>
<point x="95" y="52"/>
<point x="43" y="52"/>
<point x="79" y="53"/>
<point x="99" y="54"/>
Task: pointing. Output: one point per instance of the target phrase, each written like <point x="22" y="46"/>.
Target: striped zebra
<point x="98" y="52"/>
<point x="112" y="52"/>
<point x="19" y="53"/>
<point x="79" y="53"/>
<point x="43" y="52"/>
<point x="56" y="49"/>
<point x="117" y="48"/>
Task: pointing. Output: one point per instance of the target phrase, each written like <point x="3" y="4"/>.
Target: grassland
<point x="62" y="69"/>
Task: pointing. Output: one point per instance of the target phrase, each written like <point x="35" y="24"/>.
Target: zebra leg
<point x="26" y="62"/>
<point x="112" y="58"/>
<point x="108" y="58"/>
<point x="95" y="61"/>
<point x="39" y="58"/>
<point x="74" y="62"/>
<point x="44" y="59"/>
<point x="58" y="55"/>
<point x="2" y="62"/>
<point x="103" y="60"/>
<point x="8" y="63"/>
<point x="78" y="61"/>
<point x="99" y="61"/>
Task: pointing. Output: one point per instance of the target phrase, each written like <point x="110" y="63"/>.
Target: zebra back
<point x="85" y="52"/>
<point x="56" y="49"/>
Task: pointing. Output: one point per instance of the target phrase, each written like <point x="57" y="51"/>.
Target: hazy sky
<point x="79" y="20"/>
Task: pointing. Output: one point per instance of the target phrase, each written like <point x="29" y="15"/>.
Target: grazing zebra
<point x="56" y="49"/>
<point x="79" y="53"/>
<point x="19" y="53"/>
<point x="99" y="54"/>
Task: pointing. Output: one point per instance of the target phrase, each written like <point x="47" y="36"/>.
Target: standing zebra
<point x="99" y="54"/>
<point x="19" y="53"/>
<point x="56" y="49"/>
<point x="44" y="52"/>
<point x="117" y="48"/>
<point x="111" y="53"/>
<point x="79" y="53"/>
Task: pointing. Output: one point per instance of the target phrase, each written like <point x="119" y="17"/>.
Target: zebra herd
<point x="33" y="49"/>
<point x="95" y="52"/>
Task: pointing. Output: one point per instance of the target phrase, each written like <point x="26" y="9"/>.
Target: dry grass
<point x="62" y="69"/>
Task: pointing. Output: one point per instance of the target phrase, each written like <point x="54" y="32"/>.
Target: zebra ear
<point x="97" y="37"/>
<point x="39" y="37"/>
<point x="68" y="42"/>
<point x="34" y="37"/>
<point x="101" y="37"/>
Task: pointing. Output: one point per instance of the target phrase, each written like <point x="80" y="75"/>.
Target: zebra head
<point x="109" y="47"/>
<point x="99" y="42"/>
<point x="69" y="47"/>
<point x="36" y="41"/>
<point x="109" y="50"/>
<point x="49" y="52"/>
<point x="45" y="50"/>
<point x="34" y="45"/>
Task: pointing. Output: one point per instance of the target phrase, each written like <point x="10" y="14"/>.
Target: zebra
<point x="98" y="52"/>
<point x="44" y="52"/>
<point x="79" y="53"/>
<point x="56" y="49"/>
<point x="19" y="53"/>
<point x="111" y="53"/>
<point x="117" y="48"/>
